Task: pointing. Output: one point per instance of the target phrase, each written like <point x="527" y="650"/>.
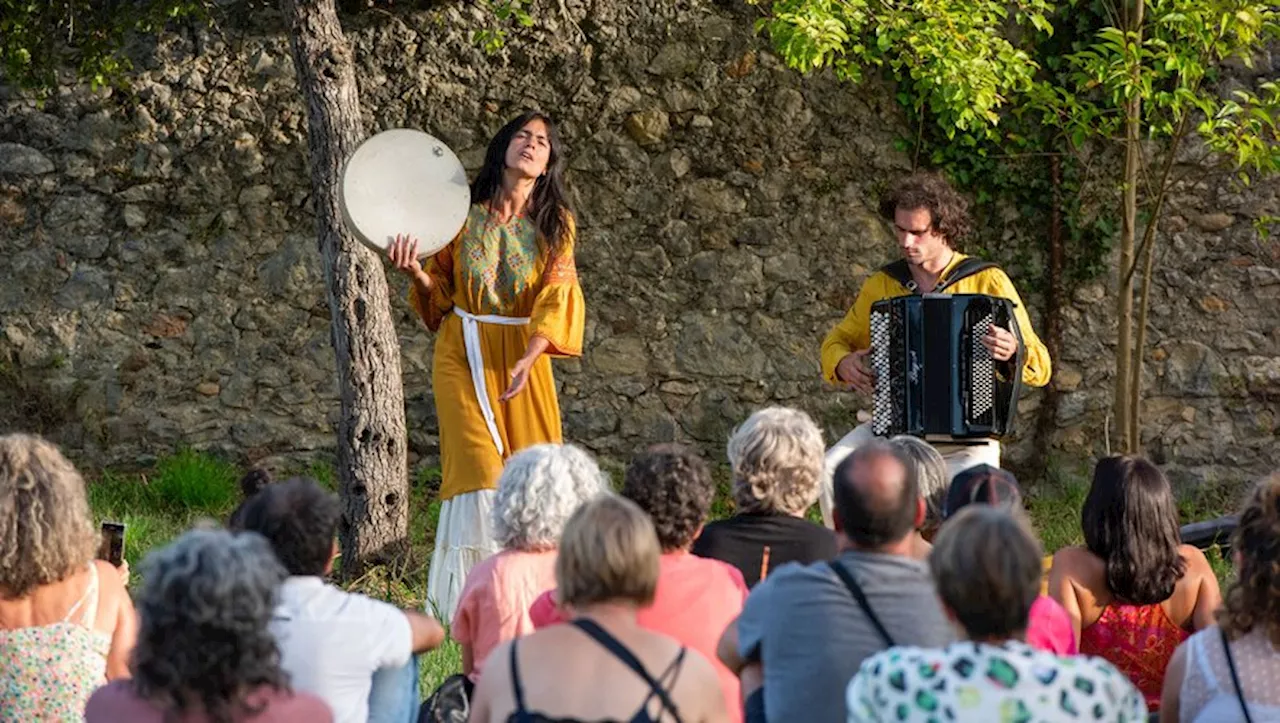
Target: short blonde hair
<point x="609" y="552"/>
<point x="46" y="532"/>
<point x="777" y="461"/>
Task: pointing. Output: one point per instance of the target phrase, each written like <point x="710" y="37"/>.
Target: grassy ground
<point x="190" y="487"/>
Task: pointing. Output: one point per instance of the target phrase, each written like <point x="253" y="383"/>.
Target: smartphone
<point x="112" y="547"/>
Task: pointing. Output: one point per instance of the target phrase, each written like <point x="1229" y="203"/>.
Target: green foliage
<point x="39" y="37"/>
<point x="194" y="481"/>
<point x="505" y="12"/>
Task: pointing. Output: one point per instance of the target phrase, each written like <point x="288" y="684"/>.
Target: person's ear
<point x="920" y="510"/>
<point x="333" y="555"/>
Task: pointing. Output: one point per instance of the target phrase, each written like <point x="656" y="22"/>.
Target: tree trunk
<point x="1047" y="420"/>
<point x="1124" y="294"/>
<point x="1140" y="346"/>
<point x="371" y="430"/>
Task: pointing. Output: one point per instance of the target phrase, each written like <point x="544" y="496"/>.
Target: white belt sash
<point x="475" y="360"/>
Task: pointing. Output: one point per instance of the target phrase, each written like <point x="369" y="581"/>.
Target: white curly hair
<point x="777" y="461"/>
<point x="539" y="489"/>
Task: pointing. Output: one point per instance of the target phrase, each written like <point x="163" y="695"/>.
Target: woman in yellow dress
<point x="503" y="297"/>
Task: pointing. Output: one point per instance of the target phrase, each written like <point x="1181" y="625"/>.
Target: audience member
<point x="540" y="487"/>
<point x="205" y="653"/>
<point x="354" y="652"/>
<point x="253" y="482"/>
<point x="776" y="460"/>
<point x="1231" y="672"/>
<point x="811" y="626"/>
<point x="696" y="597"/>
<point x="1049" y="627"/>
<point x="67" y="625"/>
<point x="1133" y="591"/>
<point x="926" y="465"/>
<point x="986" y="564"/>
<point x="598" y="667"/>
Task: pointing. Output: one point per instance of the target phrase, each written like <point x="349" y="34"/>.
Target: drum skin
<point x="404" y="181"/>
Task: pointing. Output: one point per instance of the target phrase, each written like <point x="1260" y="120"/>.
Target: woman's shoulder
<point x="1077" y="560"/>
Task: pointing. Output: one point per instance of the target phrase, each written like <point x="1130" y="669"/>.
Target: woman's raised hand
<point x="403" y="253"/>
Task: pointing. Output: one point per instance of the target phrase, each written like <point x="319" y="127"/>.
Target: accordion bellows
<point x="934" y="378"/>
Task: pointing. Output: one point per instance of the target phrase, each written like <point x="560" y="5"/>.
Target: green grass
<point x="189" y="487"/>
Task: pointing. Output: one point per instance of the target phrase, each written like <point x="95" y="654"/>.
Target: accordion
<point x="934" y="378"/>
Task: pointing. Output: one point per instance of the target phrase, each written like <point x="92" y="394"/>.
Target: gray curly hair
<point x="203" y="641"/>
<point x="777" y="461"/>
<point x="930" y="470"/>
<point x="540" y="488"/>
<point x="46" y="531"/>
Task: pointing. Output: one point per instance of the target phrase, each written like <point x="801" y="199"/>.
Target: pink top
<point x="117" y="702"/>
<point x="696" y="600"/>
<point x="1050" y="628"/>
<point x="1137" y="639"/>
<point x="495" y="601"/>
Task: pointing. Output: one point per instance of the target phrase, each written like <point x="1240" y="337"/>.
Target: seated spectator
<point x="929" y="469"/>
<point x="66" y="622"/>
<point x="539" y="488"/>
<point x="986" y="563"/>
<point x="1049" y="627"/>
<point x="811" y="626"/>
<point x="1231" y="672"/>
<point x="604" y="665"/>
<point x="696" y="597"/>
<point x="354" y="652"/>
<point x="1133" y="591"/>
<point x="776" y="459"/>
<point x="253" y="482"/>
<point x="205" y="652"/>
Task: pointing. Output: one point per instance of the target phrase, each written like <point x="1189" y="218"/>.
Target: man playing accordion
<point x="929" y="220"/>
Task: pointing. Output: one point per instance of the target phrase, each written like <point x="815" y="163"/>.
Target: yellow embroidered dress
<point x="493" y="288"/>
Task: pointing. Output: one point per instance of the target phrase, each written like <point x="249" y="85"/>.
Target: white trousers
<point x="958" y="457"/>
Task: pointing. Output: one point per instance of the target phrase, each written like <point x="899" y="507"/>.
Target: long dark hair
<point x="549" y="203"/>
<point x="1130" y="520"/>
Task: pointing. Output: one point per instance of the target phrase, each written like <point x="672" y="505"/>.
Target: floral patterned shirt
<point x="987" y="683"/>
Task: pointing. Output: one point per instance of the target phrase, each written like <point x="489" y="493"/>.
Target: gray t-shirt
<point x="811" y="636"/>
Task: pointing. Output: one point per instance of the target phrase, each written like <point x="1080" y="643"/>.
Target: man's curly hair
<point x="673" y="485"/>
<point x="1253" y="600"/>
<point x="948" y="209"/>
<point x="299" y="518"/>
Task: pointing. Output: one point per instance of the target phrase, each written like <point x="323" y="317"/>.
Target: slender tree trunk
<point x="1139" y="349"/>
<point x="371" y="430"/>
<point x="1124" y="294"/>
<point x="1048" y="417"/>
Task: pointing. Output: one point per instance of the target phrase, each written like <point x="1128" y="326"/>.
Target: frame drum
<point x="404" y="181"/>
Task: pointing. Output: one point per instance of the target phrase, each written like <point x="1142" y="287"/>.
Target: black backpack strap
<point x="856" y="590"/>
<point x="963" y="270"/>
<point x="1235" y="678"/>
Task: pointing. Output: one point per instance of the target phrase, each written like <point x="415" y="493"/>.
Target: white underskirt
<point x="464" y="537"/>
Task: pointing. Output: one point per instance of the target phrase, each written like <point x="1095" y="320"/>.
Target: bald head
<point x="877" y="501"/>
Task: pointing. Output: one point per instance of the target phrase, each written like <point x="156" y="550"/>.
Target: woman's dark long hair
<point x="549" y="204"/>
<point x="1130" y="520"/>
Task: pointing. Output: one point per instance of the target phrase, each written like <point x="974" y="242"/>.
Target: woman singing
<point x="503" y="297"/>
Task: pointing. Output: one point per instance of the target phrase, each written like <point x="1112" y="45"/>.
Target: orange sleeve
<point x="433" y="309"/>
<point x="560" y="311"/>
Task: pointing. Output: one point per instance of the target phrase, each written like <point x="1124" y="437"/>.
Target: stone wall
<point x="161" y="284"/>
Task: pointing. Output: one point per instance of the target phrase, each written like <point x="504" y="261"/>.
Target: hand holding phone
<point x="111" y="548"/>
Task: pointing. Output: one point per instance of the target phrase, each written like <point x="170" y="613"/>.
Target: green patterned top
<point x="987" y="683"/>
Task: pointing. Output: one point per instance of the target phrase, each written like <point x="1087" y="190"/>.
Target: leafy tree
<point x="990" y="85"/>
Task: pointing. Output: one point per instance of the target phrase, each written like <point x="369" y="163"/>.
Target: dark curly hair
<point x="299" y="518"/>
<point x="253" y="482"/>
<point x="203" y="637"/>
<point x="1253" y="600"/>
<point x="1130" y="520"/>
<point x="673" y="485"/>
<point x="948" y="210"/>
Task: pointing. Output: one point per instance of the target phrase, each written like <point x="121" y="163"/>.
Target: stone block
<point x="22" y="161"/>
<point x="649" y="127"/>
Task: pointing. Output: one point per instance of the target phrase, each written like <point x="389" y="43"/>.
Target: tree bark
<point x="1124" y="294"/>
<point x="371" y="430"/>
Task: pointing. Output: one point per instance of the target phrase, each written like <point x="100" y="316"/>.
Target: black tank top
<point x="657" y="688"/>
